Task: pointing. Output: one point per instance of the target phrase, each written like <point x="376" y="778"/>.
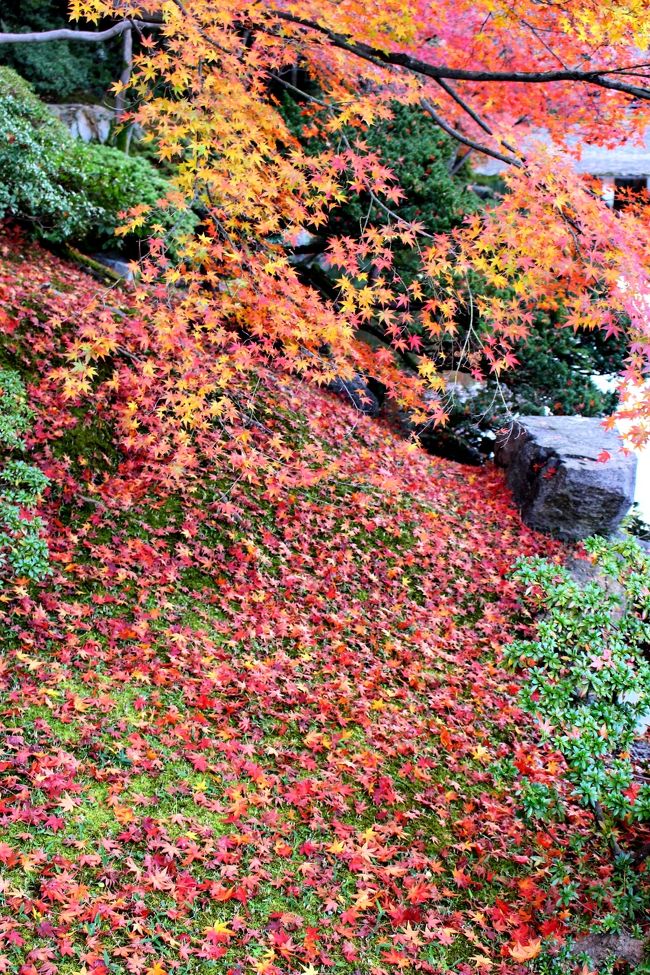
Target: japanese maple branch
<point x="438" y="71"/>
<point x="200" y="31"/>
<point x="461" y="137"/>
<point x="473" y="114"/>
<point x="454" y="133"/>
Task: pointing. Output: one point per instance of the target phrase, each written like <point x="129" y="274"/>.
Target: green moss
<point x="89" y="444"/>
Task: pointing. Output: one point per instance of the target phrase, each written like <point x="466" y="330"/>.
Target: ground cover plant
<point x="589" y="674"/>
<point x="23" y="550"/>
<point x="257" y="720"/>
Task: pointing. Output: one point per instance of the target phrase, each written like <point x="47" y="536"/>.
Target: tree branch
<point x="451" y="91"/>
<point x="67" y="34"/>
<point x="460" y="137"/>
<point x="438" y="71"/>
<point x="465" y="106"/>
<point x="125" y="77"/>
<point x="189" y="16"/>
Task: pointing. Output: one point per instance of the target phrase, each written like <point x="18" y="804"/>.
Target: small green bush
<point x="23" y="550"/>
<point x="588" y="679"/>
<point x="68" y="190"/>
<point x="22" y="547"/>
<point x="15" y="414"/>
<point x="38" y="183"/>
<point x="113" y="182"/>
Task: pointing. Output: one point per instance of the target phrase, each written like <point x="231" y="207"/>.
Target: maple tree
<point x="487" y="73"/>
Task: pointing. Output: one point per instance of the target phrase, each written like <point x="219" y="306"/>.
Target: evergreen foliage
<point x="421" y="157"/>
<point x="23" y="550"/>
<point x="67" y="189"/>
<point x="589" y="682"/>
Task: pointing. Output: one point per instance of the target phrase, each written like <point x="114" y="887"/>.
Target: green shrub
<point x="23" y="550"/>
<point x="36" y="182"/>
<point x="588" y="680"/>
<point x="113" y="182"/>
<point x="15" y="414"/>
<point x="68" y="190"/>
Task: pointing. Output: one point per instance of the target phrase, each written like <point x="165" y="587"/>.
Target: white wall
<point x="607" y="384"/>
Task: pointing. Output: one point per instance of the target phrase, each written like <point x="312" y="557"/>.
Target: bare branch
<point x="465" y="106"/>
<point x="472" y="113"/>
<point x="67" y="34"/>
<point x="460" y="137"/>
<point x="125" y="77"/>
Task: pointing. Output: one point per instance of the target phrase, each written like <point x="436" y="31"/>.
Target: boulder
<point x="605" y="950"/>
<point x="90" y="123"/>
<point x="462" y="385"/>
<point x="561" y="477"/>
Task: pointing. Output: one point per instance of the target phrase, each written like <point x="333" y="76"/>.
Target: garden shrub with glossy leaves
<point x="588" y="679"/>
<point x="39" y="183"/>
<point x="15" y="414"/>
<point x="23" y="549"/>
<point x="68" y="190"/>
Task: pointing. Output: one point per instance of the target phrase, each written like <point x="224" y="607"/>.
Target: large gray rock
<point x="116" y="264"/>
<point x="557" y="480"/>
<point x="607" y="950"/>
<point x="90" y="123"/>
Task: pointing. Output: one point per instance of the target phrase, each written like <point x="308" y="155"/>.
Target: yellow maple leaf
<point x="526" y="952"/>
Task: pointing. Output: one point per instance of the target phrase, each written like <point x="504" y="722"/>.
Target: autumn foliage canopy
<point x="205" y="87"/>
